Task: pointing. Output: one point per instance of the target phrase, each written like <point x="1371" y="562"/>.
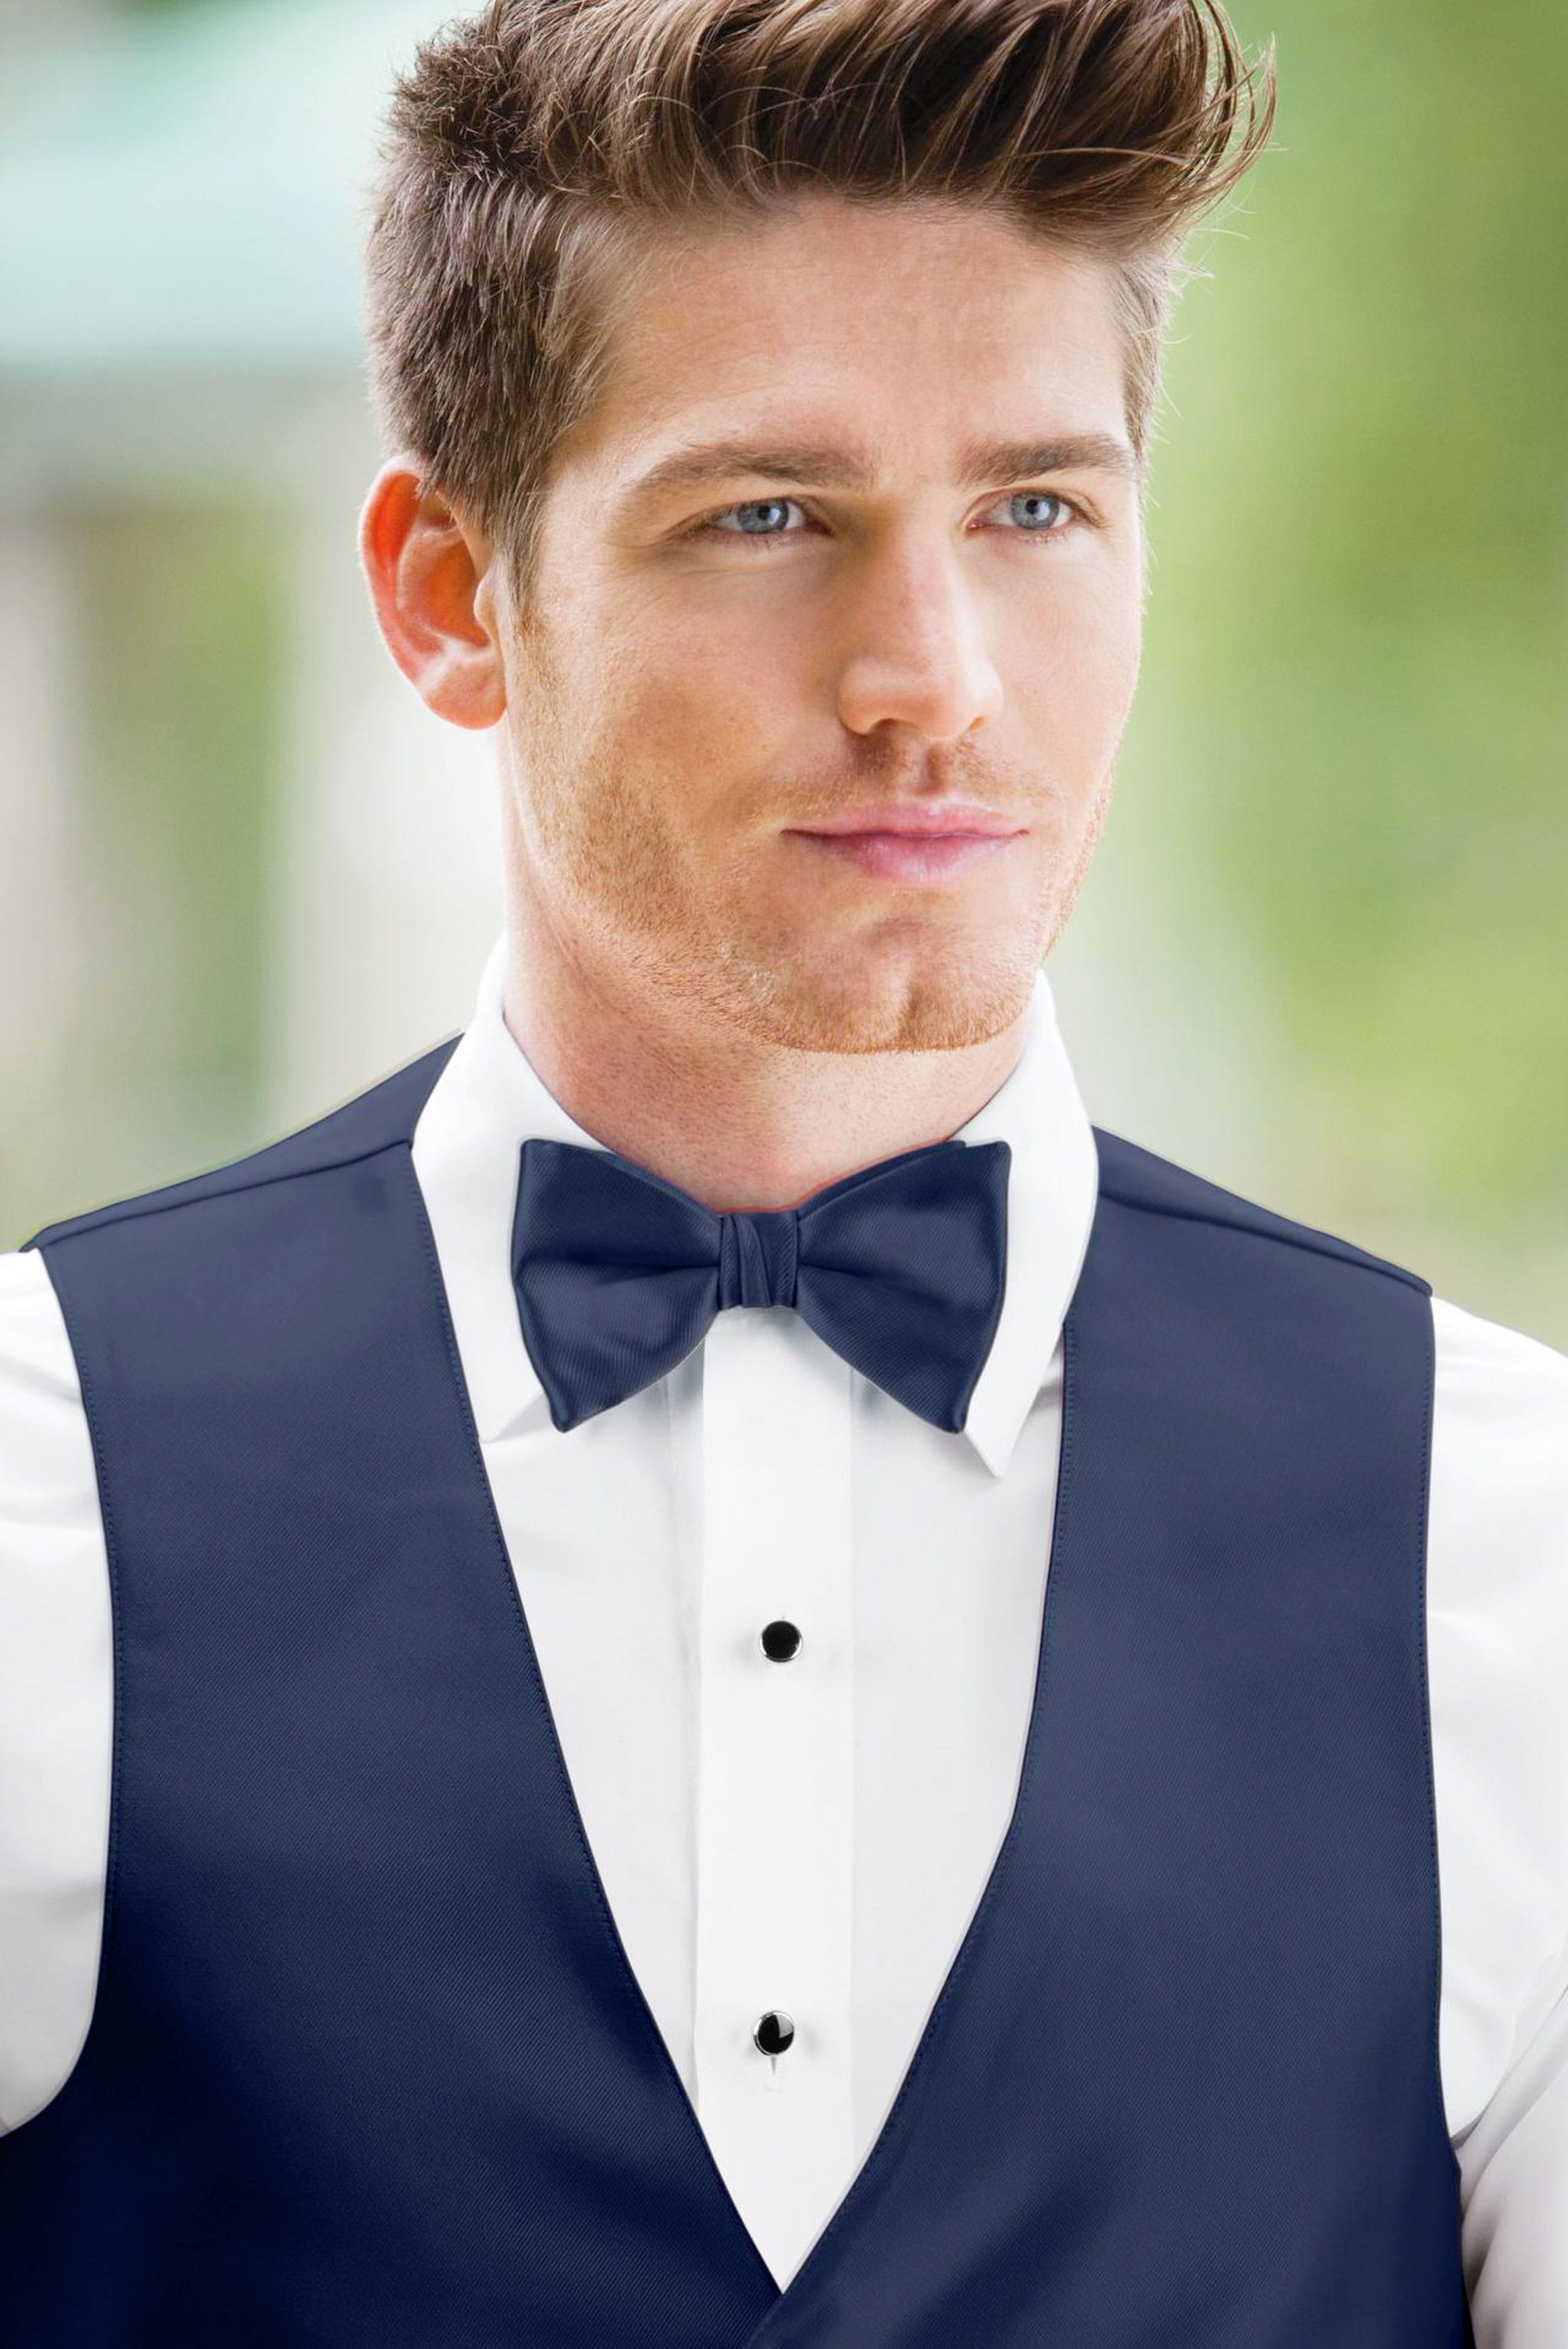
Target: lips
<point x="912" y="855"/>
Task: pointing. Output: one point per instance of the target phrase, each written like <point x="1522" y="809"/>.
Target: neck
<point x="744" y="1125"/>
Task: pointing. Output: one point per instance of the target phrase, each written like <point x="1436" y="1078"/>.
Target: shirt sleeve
<point x="1498" y="1674"/>
<point x="55" y="1698"/>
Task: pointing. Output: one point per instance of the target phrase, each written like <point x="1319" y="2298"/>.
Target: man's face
<point x="709" y="667"/>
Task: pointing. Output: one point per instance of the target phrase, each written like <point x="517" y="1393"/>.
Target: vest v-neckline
<point x="868" y="2176"/>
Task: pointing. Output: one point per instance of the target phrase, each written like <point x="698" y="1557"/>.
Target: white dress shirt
<point x="795" y="1836"/>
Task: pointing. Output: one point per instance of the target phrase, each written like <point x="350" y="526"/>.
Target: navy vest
<point x="368" y="2064"/>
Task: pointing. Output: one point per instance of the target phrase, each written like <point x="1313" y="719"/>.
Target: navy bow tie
<point x="900" y="1269"/>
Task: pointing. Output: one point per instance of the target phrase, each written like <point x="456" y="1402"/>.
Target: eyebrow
<point x="825" y="468"/>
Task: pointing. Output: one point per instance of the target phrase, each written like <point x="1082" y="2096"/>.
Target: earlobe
<point x="424" y="567"/>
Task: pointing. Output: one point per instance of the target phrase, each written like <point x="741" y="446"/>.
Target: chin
<point x="957" y="995"/>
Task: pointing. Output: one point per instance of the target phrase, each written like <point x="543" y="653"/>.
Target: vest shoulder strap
<point x="371" y="1122"/>
<point x="1135" y="1177"/>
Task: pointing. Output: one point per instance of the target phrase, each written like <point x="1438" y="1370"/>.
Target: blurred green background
<point x="1323" y="957"/>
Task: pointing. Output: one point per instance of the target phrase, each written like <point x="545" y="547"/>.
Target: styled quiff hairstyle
<point x="534" y="148"/>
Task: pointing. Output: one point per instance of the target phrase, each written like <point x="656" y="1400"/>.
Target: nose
<point x="918" y="653"/>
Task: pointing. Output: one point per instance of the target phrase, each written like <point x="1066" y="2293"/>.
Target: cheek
<point x="1072" y="680"/>
<point x="712" y="719"/>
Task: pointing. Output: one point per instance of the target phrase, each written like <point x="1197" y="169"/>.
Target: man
<point x="764" y="1690"/>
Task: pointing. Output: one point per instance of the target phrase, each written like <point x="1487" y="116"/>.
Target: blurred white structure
<point x="180" y="336"/>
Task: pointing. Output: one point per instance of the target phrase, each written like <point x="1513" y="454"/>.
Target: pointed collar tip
<point x="993" y="1434"/>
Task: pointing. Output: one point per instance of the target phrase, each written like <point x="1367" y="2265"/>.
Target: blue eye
<point x="1040" y="497"/>
<point x="756" y="506"/>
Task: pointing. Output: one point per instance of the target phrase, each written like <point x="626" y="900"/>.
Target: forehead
<point x="918" y="326"/>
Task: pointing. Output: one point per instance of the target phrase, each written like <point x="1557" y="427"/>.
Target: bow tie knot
<point x="900" y="1269"/>
<point x="759" y="1256"/>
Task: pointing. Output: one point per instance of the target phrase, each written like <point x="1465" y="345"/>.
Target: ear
<point x="425" y="570"/>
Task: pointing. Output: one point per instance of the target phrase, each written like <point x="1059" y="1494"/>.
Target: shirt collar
<point x="489" y="1100"/>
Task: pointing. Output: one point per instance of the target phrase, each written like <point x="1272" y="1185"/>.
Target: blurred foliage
<point x="180" y="614"/>
<point x="1355" y="681"/>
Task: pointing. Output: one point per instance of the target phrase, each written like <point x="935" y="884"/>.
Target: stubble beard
<point x="624" y="893"/>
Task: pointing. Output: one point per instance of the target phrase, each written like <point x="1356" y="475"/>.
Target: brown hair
<point x="530" y="144"/>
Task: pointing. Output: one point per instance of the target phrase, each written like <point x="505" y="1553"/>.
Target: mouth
<point x="912" y="855"/>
